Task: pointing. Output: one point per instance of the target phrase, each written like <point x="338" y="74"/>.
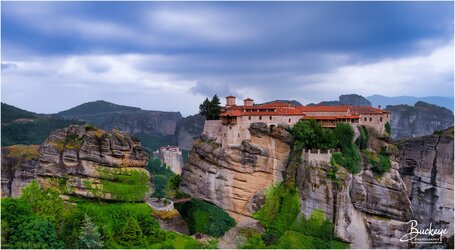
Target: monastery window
<point x="289" y="120"/>
<point x="380" y="119"/>
<point x="270" y="117"/>
<point x="230" y="127"/>
<point x="238" y="135"/>
<point x="260" y="117"/>
<point x="365" y="119"/>
<point x="371" y="119"/>
<point x="387" y="116"/>
<point x="224" y="134"/>
<point x="249" y="118"/>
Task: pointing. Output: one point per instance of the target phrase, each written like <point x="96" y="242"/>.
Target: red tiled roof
<point x="330" y="117"/>
<point x="242" y="111"/>
<point x="230" y="96"/>
<point x="367" y="110"/>
<point x="324" y="108"/>
<point x="285" y="108"/>
<point x="248" y="99"/>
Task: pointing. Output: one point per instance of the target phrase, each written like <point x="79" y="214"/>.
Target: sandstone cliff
<point x="19" y="163"/>
<point x="82" y="161"/>
<point x="368" y="211"/>
<point x="235" y="178"/>
<point x="188" y="129"/>
<point x="426" y="166"/>
<point x="418" y="120"/>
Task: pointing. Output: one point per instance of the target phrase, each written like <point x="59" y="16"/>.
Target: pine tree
<point x="131" y="234"/>
<point x="89" y="236"/>
<point x="204" y="108"/>
<point x="215" y="108"/>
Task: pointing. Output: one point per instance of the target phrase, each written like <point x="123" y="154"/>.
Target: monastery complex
<point x="233" y="126"/>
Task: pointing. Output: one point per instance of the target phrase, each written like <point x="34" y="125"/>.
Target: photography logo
<point x="426" y="235"/>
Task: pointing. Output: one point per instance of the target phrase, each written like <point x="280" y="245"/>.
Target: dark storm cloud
<point x="262" y="49"/>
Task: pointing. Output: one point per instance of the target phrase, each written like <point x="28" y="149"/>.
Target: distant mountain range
<point x="23" y="127"/>
<point x="446" y="102"/>
<point x="153" y="128"/>
<point x="158" y="128"/>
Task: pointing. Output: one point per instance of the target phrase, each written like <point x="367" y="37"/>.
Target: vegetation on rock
<point x="310" y="135"/>
<point x="283" y="230"/>
<point x="205" y="218"/>
<point x="388" y="129"/>
<point x="349" y="156"/>
<point x="380" y="162"/>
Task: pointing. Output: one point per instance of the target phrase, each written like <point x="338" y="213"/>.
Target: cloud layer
<point x="169" y="56"/>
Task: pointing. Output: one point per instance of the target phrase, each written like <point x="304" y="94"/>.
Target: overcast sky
<point x="171" y="55"/>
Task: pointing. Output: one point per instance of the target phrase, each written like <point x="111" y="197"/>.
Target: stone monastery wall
<point x="316" y="157"/>
<point x="376" y="121"/>
<point x="212" y="128"/>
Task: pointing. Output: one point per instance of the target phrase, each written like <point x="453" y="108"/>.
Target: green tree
<point x="204" y="108"/>
<point x="210" y="109"/>
<point x="309" y="134"/>
<point x="89" y="237"/>
<point x="131" y="233"/>
<point x="215" y="108"/>
<point x="45" y="203"/>
<point x="4" y="233"/>
<point x="349" y="157"/>
<point x="38" y="233"/>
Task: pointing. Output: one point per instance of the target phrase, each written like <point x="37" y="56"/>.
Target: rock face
<point x="134" y="120"/>
<point x="94" y="163"/>
<point x="235" y="178"/>
<point x="354" y="100"/>
<point x="418" y="120"/>
<point x="366" y="212"/>
<point x="346" y="100"/>
<point x="19" y="163"/>
<point x="188" y="129"/>
<point x="426" y="166"/>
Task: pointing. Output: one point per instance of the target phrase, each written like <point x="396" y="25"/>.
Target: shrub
<point x="205" y="218"/>
<point x="349" y="157"/>
<point x="253" y="239"/>
<point x="362" y="140"/>
<point x="380" y="162"/>
<point x="38" y="233"/>
<point x="317" y="225"/>
<point x="309" y="134"/>
<point x="279" y="211"/>
<point x="45" y="203"/>
<point x="388" y="128"/>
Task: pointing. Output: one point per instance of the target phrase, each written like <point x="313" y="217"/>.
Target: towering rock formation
<point x="418" y="120"/>
<point x="19" y="163"/>
<point x="346" y="100"/>
<point x="426" y="166"/>
<point x="188" y="129"/>
<point x="368" y="211"/>
<point x="87" y="162"/>
<point x="235" y="178"/>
